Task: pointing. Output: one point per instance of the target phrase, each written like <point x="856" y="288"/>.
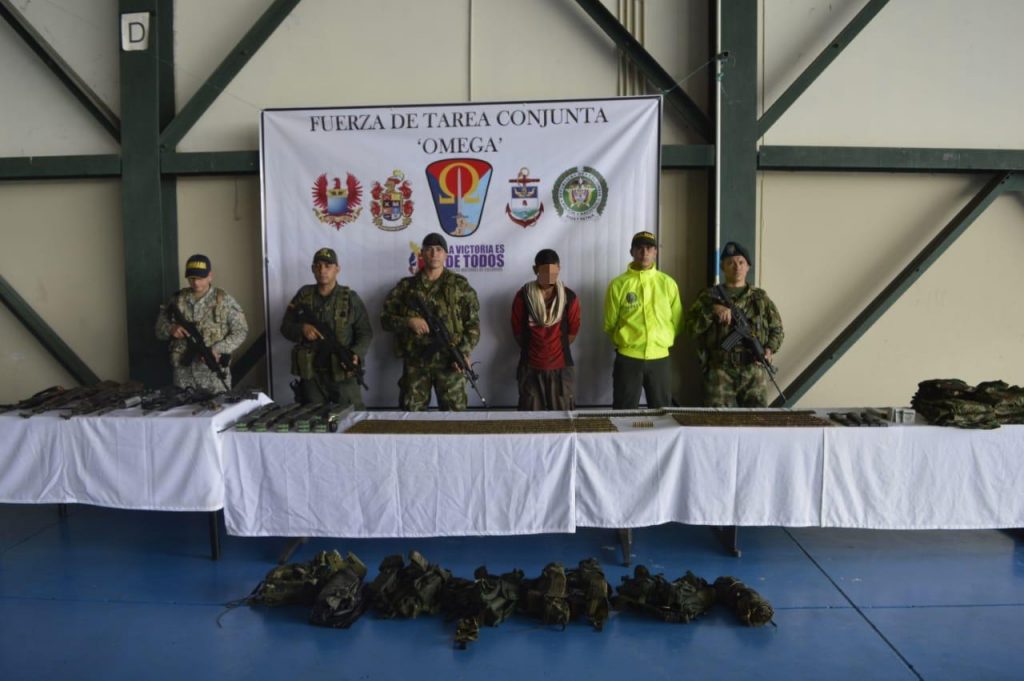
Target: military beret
<point x="326" y="255"/>
<point x="644" y="239"/>
<point x="198" y="265"/>
<point x="435" y="239"/>
<point x="546" y="257"/>
<point x="732" y="248"/>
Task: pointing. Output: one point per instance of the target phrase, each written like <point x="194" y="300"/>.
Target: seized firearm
<point x="330" y="345"/>
<point x="441" y="341"/>
<point x="34" y="400"/>
<point x="197" y="346"/>
<point x="743" y="333"/>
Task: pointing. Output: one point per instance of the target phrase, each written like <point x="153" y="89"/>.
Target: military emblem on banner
<point x="391" y="205"/>
<point x="458" y="187"/>
<point x="580" y="193"/>
<point x="336" y="204"/>
<point x="524" y="207"/>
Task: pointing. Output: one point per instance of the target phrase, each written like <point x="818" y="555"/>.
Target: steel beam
<point x="821" y="62"/>
<point x="59" y="167"/>
<point x="890" y="159"/>
<point x="71" y="80"/>
<point x="904" y="280"/>
<point x="46" y="336"/>
<point x="148" y="201"/>
<point x="228" y="69"/>
<point x="649" y="66"/>
<point x="210" y="163"/>
<point x="738" y="174"/>
<point x="692" y="156"/>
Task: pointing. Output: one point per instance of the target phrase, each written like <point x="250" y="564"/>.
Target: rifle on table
<point x="34" y="400"/>
<point x="197" y="346"/>
<point x="742" y="332"/>
<point x="330" y="345"/>
<point x="441" y="341"/>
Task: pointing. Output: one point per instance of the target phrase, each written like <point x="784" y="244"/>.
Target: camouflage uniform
<point x="221" y="321"/>
<point x="734" y="378"/>
<point x="454" y="301"/>
<point x="342" y="310"/>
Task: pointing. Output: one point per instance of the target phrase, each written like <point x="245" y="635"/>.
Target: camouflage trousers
<point x="198" y="375"/>
<point x="735" y="386"/>
<point x="419" y="377"/>
<point x="321" y="389"/>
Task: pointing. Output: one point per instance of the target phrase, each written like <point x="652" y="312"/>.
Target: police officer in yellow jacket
<point x="642" y="315"/>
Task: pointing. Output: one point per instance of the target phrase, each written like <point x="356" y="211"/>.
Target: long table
<point x="168" y="461"/>
<point x="651" y="471"/>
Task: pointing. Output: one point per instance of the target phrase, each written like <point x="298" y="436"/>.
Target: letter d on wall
<point x="135" y="31"/>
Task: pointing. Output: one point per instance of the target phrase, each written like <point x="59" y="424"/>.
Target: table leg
<point x="292" y="547"/>
<point x="729" y="536"/>
<point x="214" y="535"/>
<point x="626" y="540"/>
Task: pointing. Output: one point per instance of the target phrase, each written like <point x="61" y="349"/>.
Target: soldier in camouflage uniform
<point x="735" y="378"/>
<point x="215" y="313"/>
<point x="322" y="378"/>
<point x="453" y="300"/>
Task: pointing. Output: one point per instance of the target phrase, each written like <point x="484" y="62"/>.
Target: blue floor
<point x="106" y="594"/>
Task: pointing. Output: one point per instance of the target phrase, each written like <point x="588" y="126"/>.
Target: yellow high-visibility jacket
<point x="643" y="313"/>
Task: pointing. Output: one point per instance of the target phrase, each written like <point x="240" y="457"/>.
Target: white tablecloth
<point x="168" y="461"/>
<point x="923" y="477"/>
<point x="698" y="475"/>
<point x="338" y="485"/>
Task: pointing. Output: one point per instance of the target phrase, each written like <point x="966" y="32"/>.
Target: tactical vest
<point x="524" y="351"/>
<point x="304" y="354"/>
<point x="213" y="325"/>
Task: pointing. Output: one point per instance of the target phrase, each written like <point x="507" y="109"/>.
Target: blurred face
<point x="433" y="257"/>
<point x="547" y="275"/>
<point x="734" y="270"/>
<point x="644" y="257"/>
<point x="200" y="285"/>
<point x="325" y="273"/>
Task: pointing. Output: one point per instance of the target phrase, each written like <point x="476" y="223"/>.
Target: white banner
<point x="500" y="181"/>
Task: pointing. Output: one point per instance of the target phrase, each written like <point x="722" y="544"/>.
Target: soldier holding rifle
<point x="204" y="325"/>
<point x="734" y="376"/>
<point x="431" y="355"/>
<point x="329" y="324"/>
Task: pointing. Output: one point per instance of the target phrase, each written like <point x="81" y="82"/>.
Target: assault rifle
<point x="441" y="341"/>
<point x="331" y="346"/>
<point x="197" y="346"/>
<point x="743" y="333"/>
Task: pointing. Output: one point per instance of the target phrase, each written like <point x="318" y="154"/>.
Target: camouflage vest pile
<point x="341" y="599"/>
<point x="588" y="592"/>
<point x="406" y="591"/>
<point x="546" y="597"/>
<point x="485" y="600"/>
<point x="298" y="583"/>
<point x="679" y="601"/>
<point x="748" y="605"/>
<point x="952" y="402"/>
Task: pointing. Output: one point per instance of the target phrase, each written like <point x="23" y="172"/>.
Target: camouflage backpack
<point x="588" y="592"/>
<point x="749" y="606"/>
<point x="341" y="600"/>
<point x="402" y="590"/>
<point x="297" y="583"/>
<point x="546" y="597"/>
<point x="487" y="599"/>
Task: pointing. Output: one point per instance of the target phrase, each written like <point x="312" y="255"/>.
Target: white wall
<point x="925" y="73"/>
